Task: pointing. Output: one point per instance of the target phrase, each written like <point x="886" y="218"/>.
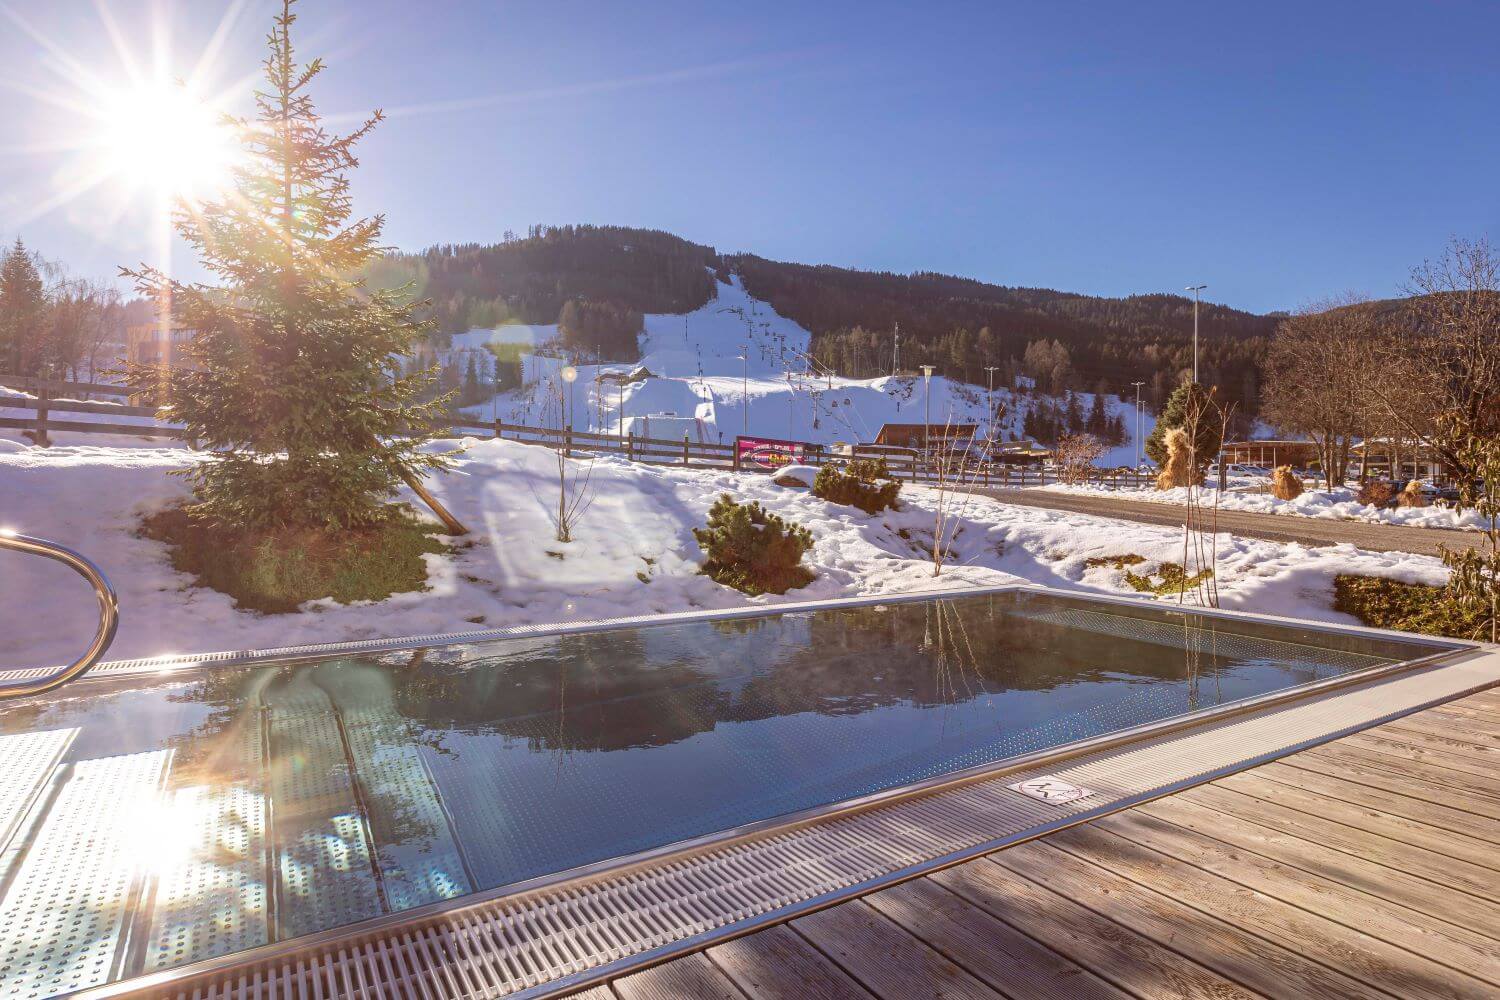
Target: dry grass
<point x="1178" y="471"/>
<point x="1284" y="483"/>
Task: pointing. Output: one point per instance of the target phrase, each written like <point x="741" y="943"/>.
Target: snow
<point x="633" y="553"/>
<point x="700" y="369"/>
<point x="1339" y="504"/>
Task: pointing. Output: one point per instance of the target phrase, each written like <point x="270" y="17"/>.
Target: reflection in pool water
<point x="272" y="801"/>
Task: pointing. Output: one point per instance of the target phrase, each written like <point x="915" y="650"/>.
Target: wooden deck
<point x="1368" y="867"/>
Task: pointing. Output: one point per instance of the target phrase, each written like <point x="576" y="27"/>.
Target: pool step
<point x="30" y="760"/>
<point x="325" y="871"/>
<point x="212" y="898"/>
<point x="68" y="905"/>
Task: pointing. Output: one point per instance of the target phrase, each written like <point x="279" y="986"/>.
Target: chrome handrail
<point x="109" y="612"/>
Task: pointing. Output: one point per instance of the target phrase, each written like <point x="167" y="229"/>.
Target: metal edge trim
<point x="296" y="654"/>
<point x="681" y="850"/>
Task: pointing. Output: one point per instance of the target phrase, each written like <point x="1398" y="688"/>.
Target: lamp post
<point x="1195" y="289"/>
<point x="745" y="386"/>
<point x="1137" y="424"/>
<point x="896" y="350"/>
<point x="989" y="402"/>
<point x="927" y="412"/>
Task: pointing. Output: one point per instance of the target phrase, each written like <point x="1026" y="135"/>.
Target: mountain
<point x="596" y="283"/>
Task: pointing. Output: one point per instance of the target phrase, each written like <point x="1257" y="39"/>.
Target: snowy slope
<point x="698" y="370"/>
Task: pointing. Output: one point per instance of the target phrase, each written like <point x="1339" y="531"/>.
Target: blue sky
<point x="1278" y="152"/>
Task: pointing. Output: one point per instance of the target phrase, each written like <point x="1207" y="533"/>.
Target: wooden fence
<point x="60" y="397"/>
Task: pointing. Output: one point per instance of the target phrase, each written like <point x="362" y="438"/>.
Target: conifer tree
<point x="23" y="307"/>
<point x="295" y="387"/>
<point x="1188" y="397"/>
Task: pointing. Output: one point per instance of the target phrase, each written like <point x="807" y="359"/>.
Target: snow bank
<point x="633" y="553"/>
<point x="1339" y="504"/>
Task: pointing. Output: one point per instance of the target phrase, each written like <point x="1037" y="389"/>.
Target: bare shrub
<point x="1284" y="483"/>
<point x="1075" y="456"/>
<point x="1377" y="492"/>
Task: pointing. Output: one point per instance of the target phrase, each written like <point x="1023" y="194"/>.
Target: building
<point x="158" y="345"/>
<point x="918" y="437"/>
<point x="1271" y="452"/>
<point x="1408" y="461"/>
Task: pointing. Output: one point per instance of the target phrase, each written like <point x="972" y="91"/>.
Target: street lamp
<point x="927" y="411"/>
<point x="745" y="386"/>
<point x="1195" y="289"/>
<point x="989" y="401"/>
<point x="1137" y="424"/>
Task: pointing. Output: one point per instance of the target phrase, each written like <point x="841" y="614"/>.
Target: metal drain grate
<point x="63" y="919"/>
<point x="574" y="929"/>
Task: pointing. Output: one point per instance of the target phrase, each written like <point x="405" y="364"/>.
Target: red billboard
<point x="768" y="453"/>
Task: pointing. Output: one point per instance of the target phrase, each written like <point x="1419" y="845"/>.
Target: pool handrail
<point x="109" y="613"/>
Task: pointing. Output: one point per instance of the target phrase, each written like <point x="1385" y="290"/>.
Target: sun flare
<point x="162" y="137"/>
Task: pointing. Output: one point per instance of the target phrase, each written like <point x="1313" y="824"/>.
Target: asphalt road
<point x="1275" y="527"/>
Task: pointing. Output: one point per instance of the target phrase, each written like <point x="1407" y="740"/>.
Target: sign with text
<point x="768" y="453"/>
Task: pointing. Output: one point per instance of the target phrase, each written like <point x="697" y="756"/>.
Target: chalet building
<point x="1271" y="452"/>
<point x="940" y="437"/>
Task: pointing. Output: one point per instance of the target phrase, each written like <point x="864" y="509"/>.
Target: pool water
<point x="149" y="822"/>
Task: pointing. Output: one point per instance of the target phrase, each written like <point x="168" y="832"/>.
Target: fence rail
<point x="55" y="397"/>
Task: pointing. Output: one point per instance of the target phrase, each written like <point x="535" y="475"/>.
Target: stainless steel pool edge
<point x="178" y="663"/>
<point x="516" y="893"/>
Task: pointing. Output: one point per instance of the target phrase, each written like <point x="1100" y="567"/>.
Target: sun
<point x="160" y="136"/>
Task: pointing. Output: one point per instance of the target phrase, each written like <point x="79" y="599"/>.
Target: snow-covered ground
<point x="699" y="369"/>
<point x="633" y="553"/>
<point x="1339" y="504"/>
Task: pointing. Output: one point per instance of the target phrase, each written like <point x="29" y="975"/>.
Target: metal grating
<point x="324" y="865"/>
<point x="211" y="896"/>
<point x="30" y="759"/>
<point x="589" y="925"/>
<point x="420" y="861"/>
<point x="65" y="914"/>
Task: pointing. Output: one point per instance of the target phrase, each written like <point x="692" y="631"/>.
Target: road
<point x="1275" y="527"/>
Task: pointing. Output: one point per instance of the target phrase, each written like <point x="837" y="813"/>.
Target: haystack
<point x="1412" y="496"/>
<point x="1284" y="483"/>
<point x="1179" y="468"/>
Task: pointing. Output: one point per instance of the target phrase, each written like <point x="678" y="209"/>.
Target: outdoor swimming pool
<point x="151" y="821"/>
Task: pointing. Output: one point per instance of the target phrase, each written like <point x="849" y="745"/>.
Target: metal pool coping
<point x="572" y="929"/>
<point x="175" y="662"/>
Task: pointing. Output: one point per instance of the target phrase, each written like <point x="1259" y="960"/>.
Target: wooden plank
<point x="1121" y="954"/>
<point x="778" y="964"/>
<point x="1359" y="956"/>
<point x="1358" y="781"/>
<point x="1215" y="938"/>
<point x="1265" y="838"/>
<point x="593" y="993"/>
<point x="1321" y="797"/>
<point x="1461" y="715"/>
<point x="80" y="427"/>
<point x="1268" y="803"/>
<point x="1445" y="734"/>
<point x="1487" y="699"/>
<point x="885" y="958"/>
<point x="689" y="976"/>
<point x="78" y="406"/>
<point x="1457" y="954"/>
<point x="1405" y="750"/>
<point x="989" y="948"/>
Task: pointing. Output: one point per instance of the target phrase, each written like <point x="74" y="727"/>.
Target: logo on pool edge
<point x="1053" y="790"/>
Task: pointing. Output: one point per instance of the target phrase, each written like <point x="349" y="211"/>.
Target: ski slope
<point x="736" y="366"/>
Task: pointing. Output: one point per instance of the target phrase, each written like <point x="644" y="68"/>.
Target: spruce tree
<point x="1186" y="398"/>
<point x="295" y="386"/>
<point x="23" y="309"/>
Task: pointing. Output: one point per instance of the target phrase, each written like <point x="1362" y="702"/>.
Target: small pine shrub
<point x="1409" y="607"/>
<point x="864" y="483"/>
<point x="1377" y="492"/>
<point x="753" y="551"/>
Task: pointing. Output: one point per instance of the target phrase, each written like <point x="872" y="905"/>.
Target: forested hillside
<point x="597" y="281"/>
